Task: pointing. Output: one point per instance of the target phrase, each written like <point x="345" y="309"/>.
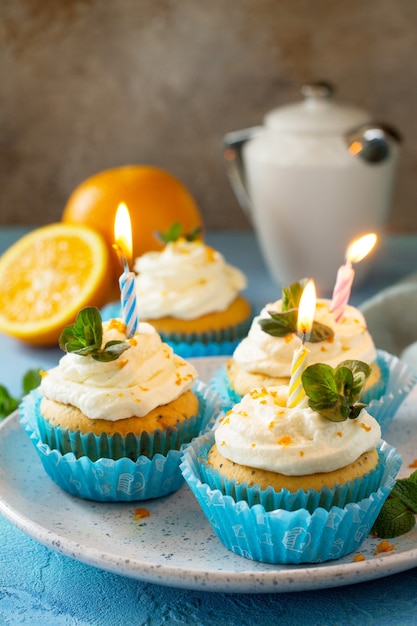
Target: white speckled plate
<point x="175" y="545"/>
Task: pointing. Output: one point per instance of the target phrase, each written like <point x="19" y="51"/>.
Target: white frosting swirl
<point x="146" y="375"/>
<point x="185" y="280"/>
<point x="262" y="353"/>
<point x="262" y="432"/>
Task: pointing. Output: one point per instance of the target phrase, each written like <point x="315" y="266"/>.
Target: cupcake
<point x="264" y="357"/>
<point x="192" y="297"/>
<point x="294" y="485"/>
<point x="109" y="421"/>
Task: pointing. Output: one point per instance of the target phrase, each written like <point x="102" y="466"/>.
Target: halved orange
<point x="154" y="197"/>
<point x="47" y="276"/>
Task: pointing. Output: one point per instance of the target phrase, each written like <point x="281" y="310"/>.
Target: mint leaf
<point x="85" y="337"/>
<point x="397" y="513"/>
<point x="413" y="477"/>
<point x="31" y="380"/>
<point x="111" y="351"/>
<point x="8" y="404"/>
<point x="291" y="295"/>
<point x="285" y="323"/>
<point x="194" y="234"/>
<point x="406" y="490"/>
<point x="280" y="324"/>
<point x="393" y="520"/>
<point x="360" y="373"/>
<point x="175" y="231"/>
<point x="320" y="332"/>
<point x="333" y="392"/>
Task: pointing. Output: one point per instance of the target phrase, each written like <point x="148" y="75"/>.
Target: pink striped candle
<point x="123" y="245"/>
<point x="345" y="275"/>
<point x="306" y="310"/>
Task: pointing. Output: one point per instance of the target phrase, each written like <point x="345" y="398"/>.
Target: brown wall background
<point x="91" y="84"/>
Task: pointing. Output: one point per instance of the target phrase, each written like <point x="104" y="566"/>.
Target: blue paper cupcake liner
<point x="397" y="381"/>
<point x="340" y="495"/>
<point x="383" y="399"/>
<point x="115" y="446"/>
<point x="287" y="536"/>
<point x="109" y="480"/>
<point x="188" y="345"/>
<point x="220" y="385"/>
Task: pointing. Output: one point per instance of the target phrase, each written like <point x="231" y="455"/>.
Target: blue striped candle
<point x="123" y="246"/>
<point x="128" y="301"/>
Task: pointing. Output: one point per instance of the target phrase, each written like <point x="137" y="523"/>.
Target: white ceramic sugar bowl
<point x="315" y="176"/>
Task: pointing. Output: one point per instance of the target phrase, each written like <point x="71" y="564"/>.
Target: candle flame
<point x="306" y="309"/>
<point x="359" y="248"/>
<point x="123" y="231"/>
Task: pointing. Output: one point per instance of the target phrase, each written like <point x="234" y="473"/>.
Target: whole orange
<point x="155" y="199"/>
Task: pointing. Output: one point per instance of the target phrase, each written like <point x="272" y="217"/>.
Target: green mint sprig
<point x="334" y="392"/>
<point x="175" y="232"/>
<point x="285" y="323"/>
<point x="9" y="403"/>
<point x="397" y="515"/>
<point x="85" y="337"/>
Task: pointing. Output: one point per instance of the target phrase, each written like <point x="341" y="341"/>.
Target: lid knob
<point x="318" y="89"/>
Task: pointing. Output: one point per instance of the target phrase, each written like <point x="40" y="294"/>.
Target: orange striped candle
<point x="306" y="312"/>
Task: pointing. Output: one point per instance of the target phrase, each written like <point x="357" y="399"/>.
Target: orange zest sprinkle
<point x="211" y="254"/>
<point x="253" y="445"/>
<point x="42" y="373"/>
<point x="140" y="514"/>
<point x="133" y="341"/>
<point x="358" y="557"/>
<point x="115" y="324"/>
<point x="301" y="452"/>
<point x="339" y="433"/>
<point x="258" y="393"/>
<point x="122" y="363"/>
<point x="284" y="441"/>
<point x="365" y="427"/>
<point x="271" y="424"/>
<point x="384" y="546"/>
<point x="413" y="463"/>
<point x="143" y="388"/>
